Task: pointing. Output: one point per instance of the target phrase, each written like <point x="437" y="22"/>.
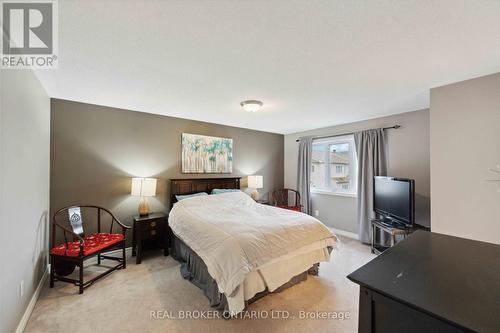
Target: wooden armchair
<point x="287" y="198"/>
<point x="83" y="245"/>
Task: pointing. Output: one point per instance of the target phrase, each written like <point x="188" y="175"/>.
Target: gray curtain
<point x="372" y="161"/>
<point x="304" y="173"/>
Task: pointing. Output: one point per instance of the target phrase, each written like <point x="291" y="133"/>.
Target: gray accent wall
<point x="409" y="157"/>
<point x="24" y="191"/>
<point x="95" y="150"/>
<point x="465" y="143"/>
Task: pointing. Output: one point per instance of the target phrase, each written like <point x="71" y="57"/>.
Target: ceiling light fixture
<point x="251" y="105"/>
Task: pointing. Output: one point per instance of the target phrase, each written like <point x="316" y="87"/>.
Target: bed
<point x="237" y="250"/>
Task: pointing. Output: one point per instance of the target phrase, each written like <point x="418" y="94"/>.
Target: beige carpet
<point x="123" y="301"/>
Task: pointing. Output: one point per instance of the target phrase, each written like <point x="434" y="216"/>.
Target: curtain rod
<point x="342" y="134"/>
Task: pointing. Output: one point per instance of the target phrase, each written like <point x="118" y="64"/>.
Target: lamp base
<point x="254" y="195"/>
<point x="143" y="206"/>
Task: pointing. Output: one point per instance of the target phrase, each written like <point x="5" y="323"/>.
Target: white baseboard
<point x="345" y="233"/>
<point x="31" y="305"/>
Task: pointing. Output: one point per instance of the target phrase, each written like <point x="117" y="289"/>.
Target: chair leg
<point x="52" y="274"/>
<point x="99" y="258"/>
<point x="81" y="277"/>
<point x="124" y="256"/>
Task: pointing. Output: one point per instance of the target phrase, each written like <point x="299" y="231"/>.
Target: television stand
<point x="393" y="229"/>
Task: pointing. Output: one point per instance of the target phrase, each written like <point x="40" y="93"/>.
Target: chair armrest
<point x="121" y="224"/>
<point x="124" y="227"/>
<point x="80" y="238"/>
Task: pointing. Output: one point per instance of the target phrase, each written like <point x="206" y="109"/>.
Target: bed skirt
<point x="194" y="269"/>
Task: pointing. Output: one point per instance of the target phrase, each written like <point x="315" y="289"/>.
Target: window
<point x="334" y="165"/>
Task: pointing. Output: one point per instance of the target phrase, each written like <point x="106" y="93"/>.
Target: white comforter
<point x="235" y="235"/>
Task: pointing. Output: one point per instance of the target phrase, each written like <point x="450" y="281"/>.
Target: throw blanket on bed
<point x="235" y="235"/>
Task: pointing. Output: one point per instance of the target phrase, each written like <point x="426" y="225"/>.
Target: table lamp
<point x="255" y="182"/>
<point x="143" y="187"/>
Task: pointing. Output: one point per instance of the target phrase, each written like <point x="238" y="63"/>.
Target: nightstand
<point x="153" y="229"/>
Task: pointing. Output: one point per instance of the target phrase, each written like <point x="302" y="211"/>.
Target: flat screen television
<point x="394" y="199"/>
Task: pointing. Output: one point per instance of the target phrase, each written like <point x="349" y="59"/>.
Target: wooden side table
<point x="150" y="228"/>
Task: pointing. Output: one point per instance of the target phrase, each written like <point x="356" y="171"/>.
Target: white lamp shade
<point x="143" y="187"/>
<point x="255" y="181"/>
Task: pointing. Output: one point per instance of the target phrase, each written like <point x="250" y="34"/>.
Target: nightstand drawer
<point x="153" y="225"/>
<point x="151" y="231"/>
<point x="147" y="234"/>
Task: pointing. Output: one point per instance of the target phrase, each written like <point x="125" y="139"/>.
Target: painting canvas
<point x="206" y="154"/>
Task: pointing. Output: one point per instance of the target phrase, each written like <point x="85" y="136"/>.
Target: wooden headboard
<point x="195" y="185"/>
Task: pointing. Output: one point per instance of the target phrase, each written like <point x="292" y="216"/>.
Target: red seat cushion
<point x="295" y="208"/>
<point x="91" y="244"/>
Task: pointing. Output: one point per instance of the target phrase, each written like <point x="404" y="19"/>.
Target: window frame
<point x="353" y="167"/>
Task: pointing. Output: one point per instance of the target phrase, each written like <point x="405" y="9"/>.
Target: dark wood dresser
<point x="431" y="282"/>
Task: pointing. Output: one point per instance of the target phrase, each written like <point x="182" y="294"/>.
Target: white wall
<point x="408" y="157"/>
<point x="465" y="142"/>
<point x="24" y="190"/>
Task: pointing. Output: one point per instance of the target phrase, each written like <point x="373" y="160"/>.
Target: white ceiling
<point x="312" y="63"/>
